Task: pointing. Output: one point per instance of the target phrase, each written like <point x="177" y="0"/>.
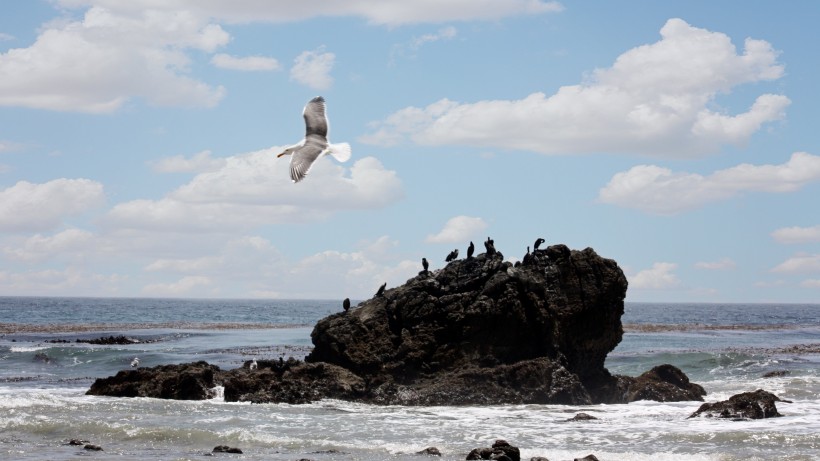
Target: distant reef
<point x="480" y="331"/>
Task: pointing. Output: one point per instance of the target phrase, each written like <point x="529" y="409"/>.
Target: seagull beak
<point x="280" y="155"/>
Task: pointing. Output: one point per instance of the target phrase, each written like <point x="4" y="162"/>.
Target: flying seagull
<point x="315" y="143"/>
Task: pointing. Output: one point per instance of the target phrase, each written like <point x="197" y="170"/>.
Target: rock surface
<point x="748" y="405"/>
<point x="479" y="331"/>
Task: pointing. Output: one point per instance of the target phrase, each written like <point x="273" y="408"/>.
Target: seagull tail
<point x="340" y="151"/>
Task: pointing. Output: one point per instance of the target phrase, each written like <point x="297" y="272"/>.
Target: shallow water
<point x="43" y="402"/>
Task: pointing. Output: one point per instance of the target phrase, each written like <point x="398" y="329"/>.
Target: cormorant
<point x="470" y="250"/>
<point x="346" y="304"/>
<point x="380" y="293"/>
<point x="425" y="264"/>
<point x="537" y="243"/>
<point x="490" y="246"/>
<point x="452" y="256"/>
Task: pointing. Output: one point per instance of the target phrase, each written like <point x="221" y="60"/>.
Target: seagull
<point x="315" y="143"/>
<point x="136" y="362"/>
<point x="253" y="365"/>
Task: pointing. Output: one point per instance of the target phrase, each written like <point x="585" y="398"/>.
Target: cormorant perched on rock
<point x="538" y="243"/>
<point x="346" y="304"/>
<point x="452" y="256"/>
<point x="380" y="293"/>
<point x="527" y="256"/>
<point x="490" y="246"/>
<point x="470" y="250"/>
<point x="425" y="264"/>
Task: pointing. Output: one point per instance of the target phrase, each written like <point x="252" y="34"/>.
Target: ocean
<point x="727" y="348"/>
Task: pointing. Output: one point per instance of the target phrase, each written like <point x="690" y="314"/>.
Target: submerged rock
<point x="664" y="383"/>
<point x="192" y="381"/>
<point x="748" y="405"/>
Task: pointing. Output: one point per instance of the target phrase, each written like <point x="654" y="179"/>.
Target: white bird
<point x="253" y="365"/>
<point x="136" y="362"/>
<point x="315" y="143"/>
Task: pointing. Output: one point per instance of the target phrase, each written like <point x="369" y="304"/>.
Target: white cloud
<point x="247" y="63"/>
<point x="255" y="189"/>
<point x="5" y="37"/>
<point x="800" y="263"/>
<point x="797" y="234"/>
<point x="200" y="162"/>
<point x="312" y="69"/>
<point x="658" y="190"/>
<point x="194" y="286"/>
<point x="659" y="277"/>
<point x="99" y="63"/>
<point x="27" y="206"/>
<point x="810" y="283"/>
<point x="657" y="99"/>
<point x="410" y="49"/>
<point x="457" y="230"/>
<point x="70" y="242"/>
<point x="65" y="282"/>
<point x="384" y="12"/>
<point x="722" y="264"/>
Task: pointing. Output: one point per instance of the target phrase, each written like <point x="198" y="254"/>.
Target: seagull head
<point x="289" y="150"/>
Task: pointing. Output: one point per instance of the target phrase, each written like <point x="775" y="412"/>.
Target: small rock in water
<point x="587" y="458"/>
<point x="431" y="451"/>
<point x="226" y="449"/>
<point x="776" y="374"/>
<point x="582" y="417"/>
<point x="539" y="458"/>
<point x="92" y="447"/>
<point x="78" y="442"/>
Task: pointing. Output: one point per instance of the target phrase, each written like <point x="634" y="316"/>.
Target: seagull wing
<point x="315" y="118"/>
<point x="304" y="156"/>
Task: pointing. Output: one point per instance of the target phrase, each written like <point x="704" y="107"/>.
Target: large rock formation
<point x="478" y="331"/>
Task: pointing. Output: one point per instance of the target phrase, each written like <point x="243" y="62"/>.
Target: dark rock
<point x="192" y="381"/>
<point x="42" y="357"/>
<point x="478" y="331"/>
<point x="748" y="405"/>
<point x="111" y="340"/>
<point x="539" y="458"/>
<point x="78" y="442"/>
<point x="430" y="451"/>
<point x="501" y="451"/>
<point x="587" y="458"/>
<point x="776" y="374"/>
<point x="664" y="383"/>
<point x="226" y="449"/>
<point x="582" y="417"/>
<point x="91" y="447"/>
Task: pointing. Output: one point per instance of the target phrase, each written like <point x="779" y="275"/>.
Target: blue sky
<point x="138" y="144"/>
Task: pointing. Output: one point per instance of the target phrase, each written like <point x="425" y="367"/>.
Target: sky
<point x="138" y="144"/>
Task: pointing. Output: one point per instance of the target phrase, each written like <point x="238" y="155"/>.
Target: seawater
<point x="727" y="348"/>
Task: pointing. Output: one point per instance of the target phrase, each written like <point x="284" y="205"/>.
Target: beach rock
<point x="92" y="447"/>
<point x="663" y="383"/>
<point x="480" y="331"/>
<point x="501" y="451"/>
<point x="587" y="458"/>
<point x="226" y="449"/>
<point x="538" y="458"/>
<point x="430" y="451"/>
<point x="192" y="381"/>
<point x="582" y="417"/>
<point x="748" y="405"/>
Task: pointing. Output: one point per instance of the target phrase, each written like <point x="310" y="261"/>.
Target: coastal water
<point x="45" y="372"/>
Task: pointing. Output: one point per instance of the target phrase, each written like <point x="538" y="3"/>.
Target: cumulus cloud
<point x="200" y="162"/>
<point x="247" y="63"/>
<point x="800" y="263"/>
<point x="659" y="277"/>
<point x="659" y="190"/>
<point x="27" y="206"/>
<point x="186" y="286"/>
<point x="797" y="234"/>
<point x="382" y="12"/>
<point x="70" y="242"/>
<point x="255" y="189"/>
<point x="68" y="281"/>
<point x="99" y="63"/>
<point x="722" y="264"/>
<point x="657" y="99"/>
<point x="312" y="69"/>
<point x="457" y="230"/>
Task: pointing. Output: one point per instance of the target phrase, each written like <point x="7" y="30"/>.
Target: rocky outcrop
<point x="193" y="381"/>
<point x="748" y="405"/>
<point x="479" y="331"/>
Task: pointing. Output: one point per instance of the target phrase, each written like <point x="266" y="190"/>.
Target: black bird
<point x="425" y="264"/>
<point x="537" y="243"/>
<point x="490" y="246"/>
<point x="380" y="293"/>
<point x="470" y="250"/>
<point x="452" y="256"/>
<point x="346" y="304"/>
<point x="527" y="256"/>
